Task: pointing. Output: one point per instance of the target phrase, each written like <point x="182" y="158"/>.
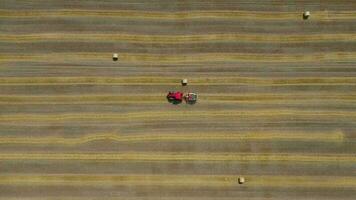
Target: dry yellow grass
<point x="152" y="80"/>
<point x="182" y="157"/>
<point x="182" y="58"/>
<point x="178" y="180"/>
<point x="89" y="151"/>
<point x="202" y="15"/>
<point x="327" y="136"/>
<point x="181" y="39"/>
<point x="271" y="114"/>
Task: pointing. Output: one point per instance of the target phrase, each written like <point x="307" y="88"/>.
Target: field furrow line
<point x="170" y="115"/>
<point x="175" y="180"/>
<point x="179" y="39"/>
<point x="182" y="157"/>
<point x="160" y="98"/>
<point x="181" y="58"/>
<point x="151" y="80"/>
<point x="191" y="15"/>
<point x="327" y="136"/>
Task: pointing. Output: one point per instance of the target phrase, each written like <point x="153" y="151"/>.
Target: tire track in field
<point x="180" y="39"/>
<point x="327" y="136"/>
<point x="191" y="15"/>
<point x="181" y="58"/>
<point x="183" y="157"/>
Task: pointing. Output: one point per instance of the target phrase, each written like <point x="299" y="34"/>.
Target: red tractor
<point x="175" y="97"/>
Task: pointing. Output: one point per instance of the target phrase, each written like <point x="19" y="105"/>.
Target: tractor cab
<point x="175" y="97"/>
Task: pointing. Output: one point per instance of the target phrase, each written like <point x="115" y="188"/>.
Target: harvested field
<point x="276" y="100"/>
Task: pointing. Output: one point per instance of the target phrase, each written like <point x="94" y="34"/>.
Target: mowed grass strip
<point x="123" y="198"/>
<point x="82" y="99"/>
<point x="270" y="114"/>
<point x="182" y="157"/>
<point x="327" y="136"/>
<point x="180" y="39"/>
<point x="151" y="80"/>
<point x="302" y="181"/>
<point x="160" y="98"/>
<point x="178" y="180"/>
<point x="167" y="59"/>
<point x="150" y="180"/>
<point x="183" y="15"/>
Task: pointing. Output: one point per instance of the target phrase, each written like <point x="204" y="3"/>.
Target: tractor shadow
<point x="173" y="101"/>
